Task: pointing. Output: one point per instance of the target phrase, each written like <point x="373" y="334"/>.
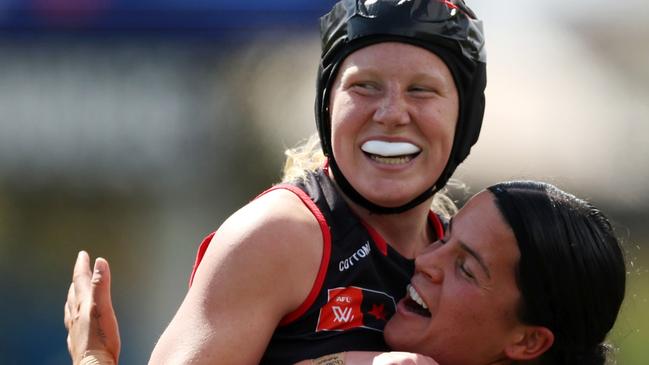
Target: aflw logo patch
<point x="354" y="307"/>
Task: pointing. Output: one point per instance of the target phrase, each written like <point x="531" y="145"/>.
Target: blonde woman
<point x="316" y="265"/>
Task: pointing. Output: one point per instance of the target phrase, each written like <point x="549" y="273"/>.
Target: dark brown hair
<point x="571" y="272"/>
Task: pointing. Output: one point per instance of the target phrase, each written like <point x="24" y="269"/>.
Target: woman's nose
<point x="392" y="109"/>
<point x="429" y="263"/>
<point x="436" y="275"/>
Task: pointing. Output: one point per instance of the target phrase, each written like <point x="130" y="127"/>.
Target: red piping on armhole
<point x="383" y="246"/>
<point x="326" y="252"/>
<point x="376" y="237"/>
<point x="199" y="255"/>
<point x="437" y="224"/>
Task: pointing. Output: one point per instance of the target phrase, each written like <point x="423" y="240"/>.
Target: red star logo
<point x="378" y="311"/>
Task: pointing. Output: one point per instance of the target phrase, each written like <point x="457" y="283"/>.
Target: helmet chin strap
<point x="357" y="198"/>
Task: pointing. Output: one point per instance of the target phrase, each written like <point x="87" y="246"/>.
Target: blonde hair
<point x="308" y="156"/>
<point x="303" y="158"/>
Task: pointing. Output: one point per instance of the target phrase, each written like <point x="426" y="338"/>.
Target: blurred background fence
<point x="133" y="128"/>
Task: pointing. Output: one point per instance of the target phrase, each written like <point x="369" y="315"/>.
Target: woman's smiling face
<point x="394" y="108"/>
<point x="467" y="283"/>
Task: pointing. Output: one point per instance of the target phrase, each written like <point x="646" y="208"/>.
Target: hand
<point x="89" y="315"/>
<point x="378" y="358"/>
<point x="402" y="358"/>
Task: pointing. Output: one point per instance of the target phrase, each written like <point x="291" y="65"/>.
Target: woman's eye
<point x="466" y="271"/>
<point x="364" y="87"/>
<point x="422" y="89"/>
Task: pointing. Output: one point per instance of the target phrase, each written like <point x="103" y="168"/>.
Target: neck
<point x="408" y="232"/>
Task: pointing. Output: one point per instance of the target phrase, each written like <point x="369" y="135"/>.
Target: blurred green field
<point x="631" y="333"/>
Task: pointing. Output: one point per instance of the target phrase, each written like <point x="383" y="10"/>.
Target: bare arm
<point x="260" y="266"/>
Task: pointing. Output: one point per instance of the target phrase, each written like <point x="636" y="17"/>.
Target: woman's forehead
<point x="399" y="58"/>
<point x="377" y="52"/>
<point x="481" y="223"/>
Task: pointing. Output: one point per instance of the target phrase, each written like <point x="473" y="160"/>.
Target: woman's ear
<point x="529" y="342"/>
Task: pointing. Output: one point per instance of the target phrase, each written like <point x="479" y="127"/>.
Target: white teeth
<point x="391" y="160"/>
<point x="415" y="296"/>
<point x="389" y="149"/>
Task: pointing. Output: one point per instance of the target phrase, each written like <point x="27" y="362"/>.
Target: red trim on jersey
<point x="199" y="255"/>
<point x="326" y="251"/>
<point x="383" y="245"/>
<point x="376" y="237"/>
<point x="438" y="226"/>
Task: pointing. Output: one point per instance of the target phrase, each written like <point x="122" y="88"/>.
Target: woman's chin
<point x="392" y="193"/>
<point x="386" y="198"/>
<point x="408" y="329"/>
<point x="395" y="338"/>
<point x="389" y="336"/>
<point x="389" y="203"/>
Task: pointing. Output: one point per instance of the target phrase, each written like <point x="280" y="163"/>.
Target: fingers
<point x="101" y="285"/>
<point x="402" y="358"/>
<point x="103" y="314"/>
<point x="81" y="275"/>
<point x="70" y="303"/>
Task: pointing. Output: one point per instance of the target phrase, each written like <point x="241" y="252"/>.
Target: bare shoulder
<point x="275" y="234"/>
<point x="278" y="220"/>
<point x="259" y="267"/>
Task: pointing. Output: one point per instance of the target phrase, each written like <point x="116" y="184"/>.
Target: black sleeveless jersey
<point x="361" y="278"/>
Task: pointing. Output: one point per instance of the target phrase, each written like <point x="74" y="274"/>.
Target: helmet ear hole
<point x="448" y="28"/>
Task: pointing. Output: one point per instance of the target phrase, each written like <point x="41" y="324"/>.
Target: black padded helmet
<point x="447" y="28"/>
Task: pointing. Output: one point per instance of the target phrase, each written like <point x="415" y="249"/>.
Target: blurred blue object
<point x="153" y="15"/>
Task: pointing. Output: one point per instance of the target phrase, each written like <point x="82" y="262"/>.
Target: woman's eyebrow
<point x="471" y="251"/>
<point x="432" y="77"/>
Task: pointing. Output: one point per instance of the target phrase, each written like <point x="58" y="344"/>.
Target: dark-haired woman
<point x="525" y="273"/>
